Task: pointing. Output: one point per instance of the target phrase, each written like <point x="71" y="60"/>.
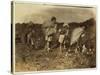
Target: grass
<point x="28" y="59"/>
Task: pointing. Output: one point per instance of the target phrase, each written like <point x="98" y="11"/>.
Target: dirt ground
<point x="28" y="59"/>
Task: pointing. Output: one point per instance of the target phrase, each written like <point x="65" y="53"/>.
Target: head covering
<point x="65" y="25"/>
<point x="53" y="18"/>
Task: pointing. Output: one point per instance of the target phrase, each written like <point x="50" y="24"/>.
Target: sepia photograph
<point x="50" y="37"/>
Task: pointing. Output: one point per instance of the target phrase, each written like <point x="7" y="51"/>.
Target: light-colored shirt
<point x="49" y="28"/>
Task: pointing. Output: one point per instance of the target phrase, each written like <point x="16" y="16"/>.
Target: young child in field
<point x="49" y="30"/>
<point x="63" y="34"/>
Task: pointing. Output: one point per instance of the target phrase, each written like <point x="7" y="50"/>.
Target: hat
<point x="65" y="25"/>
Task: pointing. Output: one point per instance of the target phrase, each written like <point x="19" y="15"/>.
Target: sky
<point x="38" y="13"/>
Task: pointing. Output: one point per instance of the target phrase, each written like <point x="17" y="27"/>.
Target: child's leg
<point x="48" y="46"/>
<point x="64" y="45"/>
<point x="60" y="41"/>
<point x="46" y="40"/>
<point x="60" y="48"/>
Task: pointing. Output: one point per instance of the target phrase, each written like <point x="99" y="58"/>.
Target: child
<point x="63" y="33"/>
